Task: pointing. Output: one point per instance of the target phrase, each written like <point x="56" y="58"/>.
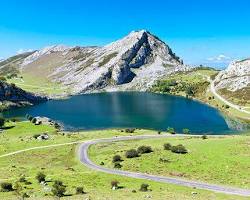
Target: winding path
<point x="213" y="90"/>
<point x="84" y="158"/>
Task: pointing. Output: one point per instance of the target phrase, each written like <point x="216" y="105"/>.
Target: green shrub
<point x="117" y="165"/>
<point x="33" y="120"/>
<point x="144" y="149"/>
<point x="130" y="130"/>
<point x="204" y="137"/>
<point x="144" y="187"/>
<point x="132" y="153"/>
<point x="36" y="136"/>
<point x="6" y="187"/>
<point x="22" y="179"/>
<point x="117" y="158"/>
<point x="171" y="130"/>
<point x="58" y="189"/>
<point x="40" y="177"/>
<point x="79" y="190"/>
<point x="180" y="149"/>
<point x="167" y="146"/>
<point x="186" y="131"/>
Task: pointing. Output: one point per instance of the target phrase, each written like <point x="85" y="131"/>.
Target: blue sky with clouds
<point x="209" y="32"/>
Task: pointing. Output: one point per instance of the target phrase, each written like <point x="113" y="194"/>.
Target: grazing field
<point x="218" y="160"/>
<point x="61" y="163"/>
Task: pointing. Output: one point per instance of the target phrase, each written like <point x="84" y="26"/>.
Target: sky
<point x="208" y="32"/>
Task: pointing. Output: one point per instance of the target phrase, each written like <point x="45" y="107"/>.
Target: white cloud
<point x="220" y="58"/>
<point x="24" y="50"/>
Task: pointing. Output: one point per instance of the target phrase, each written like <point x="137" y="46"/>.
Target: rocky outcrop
<point x="12" y="96"/>
<point x="235" y="77"/>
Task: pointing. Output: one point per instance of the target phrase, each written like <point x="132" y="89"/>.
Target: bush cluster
<point x="171" y="130"/>
<point x="6" y="187"/>
<point x="179" y="149"/>
<point x="132" y="153"/>
<point x="130" y="130"/>
<point x="144" y="187"/>
<point x="58" y="189"/>
<point x="40" y="177"/>
<point x="167" y="146"/>
<point x="144" y="149"/>
<point x="175" y="149"/>
<point x="117" y="158"/>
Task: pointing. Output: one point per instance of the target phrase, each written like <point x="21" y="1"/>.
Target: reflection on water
<point x="130" y="109"/>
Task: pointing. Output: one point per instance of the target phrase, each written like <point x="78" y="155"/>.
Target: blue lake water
<point x="129" y="109"/>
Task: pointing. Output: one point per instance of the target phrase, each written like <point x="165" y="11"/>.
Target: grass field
<point x="223" y="161"/>
<point x="38" y="85"/>
<point x="61" y="163"/>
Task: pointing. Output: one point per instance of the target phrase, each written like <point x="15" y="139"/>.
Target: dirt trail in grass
<point x="84" y="158"/>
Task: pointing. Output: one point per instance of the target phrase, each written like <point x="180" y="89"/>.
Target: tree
<point x="167" y="146"/>
<point x="144" y="149"/>
<point x="6" y="187"/>
<point x="40" y="177"/>
<point x="58" y="189"/>
<point x="2" y="121"/>
<point x="171" y="130"/>
<point x="117" y="158"/>
<point x="132" y="153"/>
<point x="186" y="131"/>
<point x="144" y="187"/>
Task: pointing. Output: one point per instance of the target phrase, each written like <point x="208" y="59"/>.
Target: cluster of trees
<point x="180" y="149"/>
<point x="172" y="86"/>
<point x="132" y="153"/>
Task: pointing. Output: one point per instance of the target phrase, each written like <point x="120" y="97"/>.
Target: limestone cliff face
<point x="235" y="77"/>
<point x="134" y="62"/>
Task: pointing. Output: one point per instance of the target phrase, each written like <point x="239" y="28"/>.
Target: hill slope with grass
<point x="21" y="170"/>
<point x="12" y="96"/>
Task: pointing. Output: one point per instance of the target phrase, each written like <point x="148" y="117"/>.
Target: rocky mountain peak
<point x="133" y="62"/>
<point x="236" y="76"/>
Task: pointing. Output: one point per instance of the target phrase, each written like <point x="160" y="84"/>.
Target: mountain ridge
<point x="134" y="62"/>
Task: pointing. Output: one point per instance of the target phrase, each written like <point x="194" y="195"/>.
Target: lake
<point x="129" y="109"/>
